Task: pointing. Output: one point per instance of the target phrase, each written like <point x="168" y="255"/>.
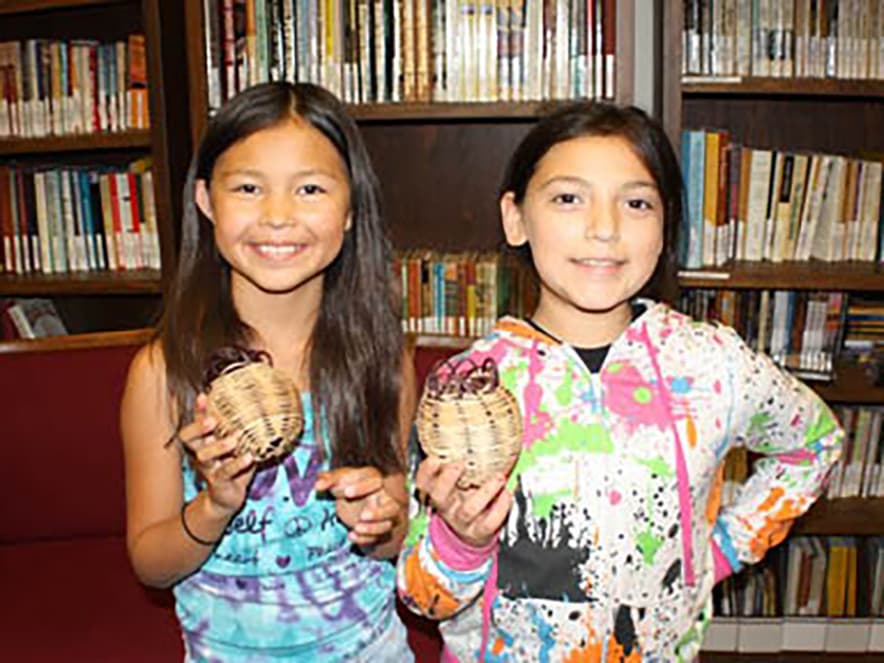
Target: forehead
<point x="291" y="143"/>
<point x="592" y="157"/>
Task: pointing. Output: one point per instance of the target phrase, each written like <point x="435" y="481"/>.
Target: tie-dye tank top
<point x="284" y="583"/>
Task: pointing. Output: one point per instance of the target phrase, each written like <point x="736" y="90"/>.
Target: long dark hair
<point x="650" y="144"/>
<point x="356" y="343"/>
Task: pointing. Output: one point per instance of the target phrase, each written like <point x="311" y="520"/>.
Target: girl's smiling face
<point x="280" y="203"/>
<point x="592" y="216"/>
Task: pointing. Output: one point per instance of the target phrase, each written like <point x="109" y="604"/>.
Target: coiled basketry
<point x="254" y="403"/>
<point x="465" y="414"/>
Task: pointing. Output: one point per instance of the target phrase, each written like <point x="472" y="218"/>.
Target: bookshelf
<point x="833" y="115"/>
<point x="108" y="299"/>
<point x="410" y="141"/>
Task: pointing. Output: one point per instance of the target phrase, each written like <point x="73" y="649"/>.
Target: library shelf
<point x="121" y="282"/>
<point x="77" y="341"/>
<point x="27" y="6"/>
<point x="795" y="87"/>
<point x="854" y="516"/>
<point x="440" y="110"/>
<point x="795" y="275"/>
<point x="136" y="139"/>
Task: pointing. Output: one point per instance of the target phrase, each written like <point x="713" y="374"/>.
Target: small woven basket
<point x="466" y="415"/>
<point x="254" y="403"/>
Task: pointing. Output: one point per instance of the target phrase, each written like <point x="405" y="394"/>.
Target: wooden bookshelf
<point x="28" y="6"/>
<point x="123" y="282"/>
<point x="851" y="385"/>
<point x="795" y="87"/>
<point x="846" y="516"/>
<point x="812" y="275"/>
<point x="76" y="341"/>
<point x="137" y="139"/>
<point x="442" y="111"/>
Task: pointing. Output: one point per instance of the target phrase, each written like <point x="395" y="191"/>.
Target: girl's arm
<point x="161" y="551"/>
<point x="777" y="416"/>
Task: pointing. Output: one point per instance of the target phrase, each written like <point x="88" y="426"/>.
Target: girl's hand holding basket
<point x="362" y="503"/>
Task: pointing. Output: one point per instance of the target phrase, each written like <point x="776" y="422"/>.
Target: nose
<point x="279" y="210"/>
<point x="603" y="223"/>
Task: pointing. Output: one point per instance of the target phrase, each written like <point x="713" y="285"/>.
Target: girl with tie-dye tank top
<point x="605" y="541"/>
<point x="283" y="254"/>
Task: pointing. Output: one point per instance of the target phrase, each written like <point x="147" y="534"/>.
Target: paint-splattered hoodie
<point x="615" y="538"/>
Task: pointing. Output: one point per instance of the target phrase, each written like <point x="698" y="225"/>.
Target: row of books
<point x="461" y="293"/>
<point x="50" y="87"/>
<point x="801" y="330"/>
<point x="860" y="470"/>
<point x="414" y="50"/>
<point x="809" y="576"/>
<point x="747" y="203"/>
<point x="784" y="38"/>
<point x="864" y="326"/>
<point x="78" y="219"/>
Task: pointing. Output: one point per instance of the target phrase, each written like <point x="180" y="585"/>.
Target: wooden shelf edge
<point x="445" y="110"/>
<point x="77" y="341"/>
<point x="812" y="275"/>
<point x="28" y="6"/>
<point x="139" y="138"/>
<point x="849" y="516"/>
<point x="438" y="341"/>
<point x="146" y="281"/>
<point x="813" y="87"/>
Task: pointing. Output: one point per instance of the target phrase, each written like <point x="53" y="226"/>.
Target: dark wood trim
<point x="27" y="6"/>
<point x="808" y="87"/>
<point x="139" y="138"/>
<point x="624" y="55"/>
<point x="196" y="68"/>
<point x="672" y="56"/>
<point x="851" y="385"/>
<point x="846" y="516"/>
<point x="443" y="110"/>
<point x="123" y="282"/>
<point x="812" y="275"/>
<point x="77" y="341"/>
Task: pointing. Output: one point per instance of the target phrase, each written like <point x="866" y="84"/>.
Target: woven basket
<point x="466" y="415"/>
<point x="258" y="405"/>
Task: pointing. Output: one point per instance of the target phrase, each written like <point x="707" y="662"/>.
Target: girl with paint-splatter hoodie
<point x="606" y="540"/>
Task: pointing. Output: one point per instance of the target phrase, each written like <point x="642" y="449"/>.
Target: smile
<point x="599" y="262"/>
<point x="277" y="251"/>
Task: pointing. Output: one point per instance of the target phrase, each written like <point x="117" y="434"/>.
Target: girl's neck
<point x="283" y="322"/>
<point x="582" y="329"/>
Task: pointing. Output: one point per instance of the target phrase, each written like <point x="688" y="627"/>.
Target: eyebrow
<point x="257" y="173"/>
<point x="634" y="184"/>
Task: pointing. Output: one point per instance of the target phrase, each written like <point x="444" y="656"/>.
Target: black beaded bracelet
<point x="189" y="533"/>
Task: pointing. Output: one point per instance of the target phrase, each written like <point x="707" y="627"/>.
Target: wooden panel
<point x="77" y="341"/>
<point x="851" y="385"/>
<point x="852" y="515"/>
<point x="25" y="6"/>
<point x="107" y="21"/>
<point x="93" y="313"/>
<point x="170" y="130"/>
<point x="793" y="87"/>
<point x="80" y="143"/>
<point x="440" y="181"/>
<point x="81" y="283"/>
<point x="443" y="111"/>
<point x="796" y="657"/>
<point x="812" y="275"/>
<point x="672" y="54"/>
<point x="822" y="124"/>
<point x="624" y="57"/>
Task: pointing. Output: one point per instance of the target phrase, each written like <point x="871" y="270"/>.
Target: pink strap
<point x="681" y="467"/>
<point x="453" y="552"/>
<point x="489" y="593"/>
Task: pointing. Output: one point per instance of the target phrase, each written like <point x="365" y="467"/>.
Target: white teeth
<point x="597" y="262"/>
<point x="278" y="250"/>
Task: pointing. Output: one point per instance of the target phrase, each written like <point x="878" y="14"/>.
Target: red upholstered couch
<point x="68" y="592"/>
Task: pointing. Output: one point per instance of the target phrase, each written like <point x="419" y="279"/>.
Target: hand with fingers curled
<point x="363" y="503"/>
<point x="475" y="515"/>
<point x="226" y="474"/>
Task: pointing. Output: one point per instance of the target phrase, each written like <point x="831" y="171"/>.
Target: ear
<point x="513" y="223"/>
<point x="203" y="200"/>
